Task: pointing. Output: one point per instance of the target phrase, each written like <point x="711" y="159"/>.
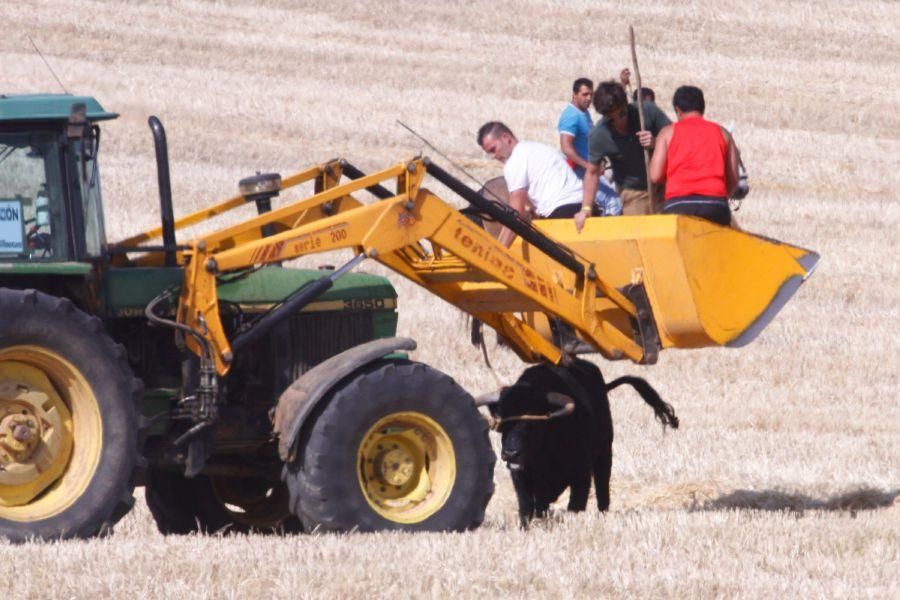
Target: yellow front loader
<point x="624" y="287"/>
<point x="389" y="433"/>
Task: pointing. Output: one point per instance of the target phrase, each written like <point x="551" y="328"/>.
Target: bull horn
<point x="488" y="398"/>
<point x="566" y="403"/>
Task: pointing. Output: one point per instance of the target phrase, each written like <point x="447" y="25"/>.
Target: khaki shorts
<point x="637" y="202"/>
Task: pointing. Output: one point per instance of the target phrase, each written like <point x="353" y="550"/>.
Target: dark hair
<point x="688" y="98"/>
<point x="608" y="96"/>
<point x="581" y="82"/>
<point x="647" y="94"/>
<point x="494" y="128"/>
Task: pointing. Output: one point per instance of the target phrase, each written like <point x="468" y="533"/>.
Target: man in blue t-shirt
<point x="575" y="125"/>
<point x="574" y="128"/>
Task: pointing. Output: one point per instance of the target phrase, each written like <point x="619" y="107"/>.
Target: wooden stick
<point x="640" y="107"/>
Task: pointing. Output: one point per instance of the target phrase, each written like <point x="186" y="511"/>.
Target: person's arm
<point x="567" y="145"/>
<point x="589" y="187"/>
<point x="646" y="139"/>
<point x="655" y="120"/>
<point x="568" y="128"/>
<point x="732" y="162"/>
<point x="658" y="160"/>
<point x="518" y="201"/>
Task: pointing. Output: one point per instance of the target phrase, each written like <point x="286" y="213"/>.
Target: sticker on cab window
<point x="11" y="227"/>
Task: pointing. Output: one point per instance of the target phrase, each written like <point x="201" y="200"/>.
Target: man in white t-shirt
<point x="535" y="174"/>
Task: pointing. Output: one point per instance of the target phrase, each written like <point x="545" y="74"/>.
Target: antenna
<point x="49" y="68"/>
<point x="448" y="159"/>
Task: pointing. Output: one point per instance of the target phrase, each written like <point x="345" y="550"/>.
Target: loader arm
<point x="626" y="287"/>
<point x="466" y="267"/>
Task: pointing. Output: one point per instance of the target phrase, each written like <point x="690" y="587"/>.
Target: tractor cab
<point x="50" y="205"/>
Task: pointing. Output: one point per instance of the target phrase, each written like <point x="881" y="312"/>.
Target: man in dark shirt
<point x="619" y="138"/>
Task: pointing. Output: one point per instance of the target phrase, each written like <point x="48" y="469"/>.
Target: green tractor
<point x="98" y="394"/>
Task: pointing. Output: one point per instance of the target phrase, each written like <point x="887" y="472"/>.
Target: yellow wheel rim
<point x="50" y="433"/>
<point x="406" y="467"/>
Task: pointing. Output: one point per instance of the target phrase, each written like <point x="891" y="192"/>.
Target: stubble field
<point x="784" y="478"/>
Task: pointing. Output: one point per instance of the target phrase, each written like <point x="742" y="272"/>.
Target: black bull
<point x="547" y="455"/>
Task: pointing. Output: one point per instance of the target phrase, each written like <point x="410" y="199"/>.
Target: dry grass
<point x="784" y="478"/>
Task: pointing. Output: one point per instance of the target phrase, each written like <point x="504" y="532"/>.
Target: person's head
<point x="582" y="92"/>
<point x="611" y="101"/>
<point x="497" y="139"/>
<point x="687" y="99"/>
<point x="647" y="95"/>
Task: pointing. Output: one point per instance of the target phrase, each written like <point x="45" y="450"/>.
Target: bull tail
<point x="664" y="412"/>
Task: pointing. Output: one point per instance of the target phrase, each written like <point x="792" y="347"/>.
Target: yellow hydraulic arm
<point x="625" y="286"/>
<point x="326" y="175"/>
<point x="466" y="266"/>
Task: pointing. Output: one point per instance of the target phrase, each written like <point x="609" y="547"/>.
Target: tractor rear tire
<point x="398" y="445"/>
<point x="68" y="421"/>
<point x="207" y="504"/>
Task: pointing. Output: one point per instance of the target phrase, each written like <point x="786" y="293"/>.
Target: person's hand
<point x="646" y="139"/>
<point x="580" y="217"/>
<point x="625" y="77"/>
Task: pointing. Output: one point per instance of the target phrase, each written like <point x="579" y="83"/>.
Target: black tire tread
<point x="318" y="499"/>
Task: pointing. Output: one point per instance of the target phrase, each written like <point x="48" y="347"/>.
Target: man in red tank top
<point x="697" y="160"/>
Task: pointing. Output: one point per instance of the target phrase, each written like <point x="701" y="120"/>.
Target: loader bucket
<point x="707" y="285"/>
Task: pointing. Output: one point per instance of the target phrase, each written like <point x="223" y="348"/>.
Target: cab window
<point x="85" y="152"/>
<point x="32" y="211"/>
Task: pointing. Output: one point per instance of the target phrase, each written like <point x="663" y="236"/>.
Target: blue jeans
<point x="607" y="201"/>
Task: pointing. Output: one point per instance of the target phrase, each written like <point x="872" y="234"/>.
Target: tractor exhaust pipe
<point x="165" y="189"/>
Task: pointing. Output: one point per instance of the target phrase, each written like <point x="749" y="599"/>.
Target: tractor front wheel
<point x="398" y="446"/>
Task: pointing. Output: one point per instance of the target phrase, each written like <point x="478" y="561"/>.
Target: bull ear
<point x="488" y="398"/>
<point x="566" y="404"/>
